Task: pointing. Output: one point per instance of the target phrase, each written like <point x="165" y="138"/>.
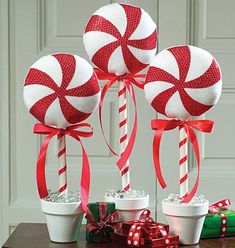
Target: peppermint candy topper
<point x="61" y="89"/>
<point x="120" y="39"/>
<point x="183" y="81"/>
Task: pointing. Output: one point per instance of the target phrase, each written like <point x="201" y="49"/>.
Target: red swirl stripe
<point x="122" y="108"/>
<point x="123" y="138"/>
<point x="121" y="92"/>
<point x="62" y="170"/>
<point x="184" y="178"/>
<point x="182" y="142"/>
<point x="182" y="160"/>
<point x="125" y="170"/>
<point x="63" y="188"/>
<point x="127" y="187"/>
<point x="60" y="153"/>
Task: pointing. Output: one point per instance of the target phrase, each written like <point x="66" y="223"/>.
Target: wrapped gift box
<point x="152" y="227"/>
<point x="102" y="235"/>
<point x="212" y="225"/>
<point x="121" y="238"/>
<point x="144" y="232"/>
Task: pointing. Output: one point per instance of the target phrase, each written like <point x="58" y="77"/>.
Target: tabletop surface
<point x="28" y="235"/>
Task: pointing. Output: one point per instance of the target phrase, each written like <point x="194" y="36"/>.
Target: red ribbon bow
<point x="215" y="209"/>
<point x="128" y="80"/>
<point x="106" y="223"/>
<point x="145" y="221"/>
<point x="75" y="133"/>
<point x="161" y="125"/>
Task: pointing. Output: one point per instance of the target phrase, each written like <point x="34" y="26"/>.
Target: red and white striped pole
<point x="123" y="133"/>
<point x="62" y="163"/>
<point x="183" y="162"/>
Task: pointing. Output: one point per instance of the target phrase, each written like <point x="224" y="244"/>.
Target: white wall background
<point x="30" y="29"/>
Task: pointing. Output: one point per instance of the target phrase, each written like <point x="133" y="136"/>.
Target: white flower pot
<point x="185" y="219"/>
<point x="63" y="220"/>
<point x="130" y="208"/>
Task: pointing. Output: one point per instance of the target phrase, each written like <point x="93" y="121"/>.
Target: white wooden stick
<point x="123" y="133"/>
<point x="183" y="162"/>
<point x="62" y="164"/>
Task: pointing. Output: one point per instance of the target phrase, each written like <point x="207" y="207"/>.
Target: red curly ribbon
<point x="215" y="209"/>
<point x="106" y="222"/>
<point x="75" y="133"/>
<point x="161" y="125"/>
<point x="145" y="221"/>
<point x="129" y="80"/>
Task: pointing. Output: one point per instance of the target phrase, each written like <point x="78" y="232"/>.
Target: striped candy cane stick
<point x="62" y="163"/>
<point x="183" y="162"/>
<point x="123" y="133"/>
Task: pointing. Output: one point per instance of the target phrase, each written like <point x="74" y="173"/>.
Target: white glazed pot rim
<point x="185" y="209"/>
<point x="63" y="208"/>
<point x="129" y="203"/>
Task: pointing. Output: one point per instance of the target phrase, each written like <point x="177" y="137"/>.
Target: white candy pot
<point x="63" y="220"/>
<point x="186" y="220"/>
<point x="130" y="208"/>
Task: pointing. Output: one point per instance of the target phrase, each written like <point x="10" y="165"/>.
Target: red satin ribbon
<point x="161" y="125"/>
<point x="106" y="222"/>
<point x="128" y="80"/>
<point x="75" y="133"/>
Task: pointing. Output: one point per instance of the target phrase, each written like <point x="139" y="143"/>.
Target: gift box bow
<point x="105" y="223"/>
<point x="142" y="226"/>
<point x="216" y="209"/>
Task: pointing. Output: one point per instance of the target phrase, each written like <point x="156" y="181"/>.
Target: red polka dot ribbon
<point x="215" y="209"/>
<point x="129" y="80"/>
<point x="161" y="125"/>
<point x="75" y="132"/>
<point x="134" y="238"/>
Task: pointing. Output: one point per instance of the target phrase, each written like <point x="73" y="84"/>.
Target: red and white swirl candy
<point x="121" y="38"/>
<point x="183" y="81"/>
<point x="61" y="89"/>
